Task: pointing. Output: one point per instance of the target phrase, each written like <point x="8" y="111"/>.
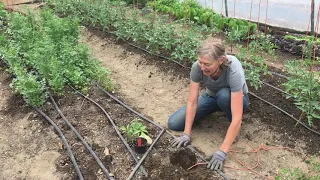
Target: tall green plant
<point x="304" y="87"/>
<point x="262" y="43"/>
<point x="253" y="65"/>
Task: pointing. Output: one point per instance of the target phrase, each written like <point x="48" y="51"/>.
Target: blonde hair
<point x="212" y="49"/>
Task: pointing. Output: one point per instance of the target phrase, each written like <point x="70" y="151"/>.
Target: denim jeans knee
<point x="224" y="102"/>
<point x="206" y="105"/>
<point x="176" y="121"/>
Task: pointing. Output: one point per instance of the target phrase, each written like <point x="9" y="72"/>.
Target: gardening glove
<point x="217" y="160"/>
<point x="182" y="140"/>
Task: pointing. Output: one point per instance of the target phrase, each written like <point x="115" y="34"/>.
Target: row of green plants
<point x="3" y="13"/>
<point x="308" y="39"/>
<point x="303" y="84"/>
<point x="44" y="55"/>
<point x="153" y="32"/>
<point x="191" y="10"/>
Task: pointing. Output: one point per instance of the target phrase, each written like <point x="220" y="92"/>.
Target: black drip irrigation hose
<point x="277" y="88"/>
<point x="82" y="140"/>
<point x="129" y="108"/>
<point x="117" y="131"/>
<point x="279" y="75"/>
<point x="65" y="142"/>
<point x="159" y="55"/>
<point x="290" y="115"/>
<point x="145" y="155"/>
<point x="167" y="58"/>
<point x="164" y="57"/>
<point x="152" y="122"/>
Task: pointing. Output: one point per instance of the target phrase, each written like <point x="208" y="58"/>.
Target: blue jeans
<point x="206" y="105"/>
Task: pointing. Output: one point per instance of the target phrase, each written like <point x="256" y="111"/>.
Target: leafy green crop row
<point x="308" y="39"/>
<point x="45" y="55"/>
<point x="304" y="87"/>
<point x="191" y="9"/>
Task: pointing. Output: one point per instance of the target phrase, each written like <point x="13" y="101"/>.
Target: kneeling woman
<point x="226" y="90"/>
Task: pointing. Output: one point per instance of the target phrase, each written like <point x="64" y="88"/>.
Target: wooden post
<point x="226" y="7"/>
<point x="312" y="17"/>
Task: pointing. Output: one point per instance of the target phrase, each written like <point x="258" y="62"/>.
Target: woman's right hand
<point x="181" y="140"/>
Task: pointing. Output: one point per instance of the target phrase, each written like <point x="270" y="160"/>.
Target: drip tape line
<point x="277" y="88"/>
<point x="65" y="142"/>
<point x="116" y="129"/>
<point x="129" y="108"/>
<point x="305" y="126"/>
<point x="80" y="137"/>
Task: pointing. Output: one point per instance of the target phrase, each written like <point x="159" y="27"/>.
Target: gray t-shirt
<point x="231" y="77"/>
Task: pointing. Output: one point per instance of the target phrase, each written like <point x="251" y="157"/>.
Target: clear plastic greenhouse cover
<point x="293" y="14"/>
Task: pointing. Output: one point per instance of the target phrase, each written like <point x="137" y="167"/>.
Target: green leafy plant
<point x="44" y="55"/>
<point x="297" y="174"/>
<point x="3" y="15"/>
<point x="253" y="65"/>
<point x="134" y="130"/>
<point x="302" y="38"/>
<point x="304" y="87"/>
<point x="192" y="11"/>
<point x="261" y="42"/>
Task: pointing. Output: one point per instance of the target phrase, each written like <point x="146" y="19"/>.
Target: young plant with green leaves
<point x="3" y="16"/>
<point x="298" y="174"/>
<point x="135" y="129"/>
<point x="262" y="43"/>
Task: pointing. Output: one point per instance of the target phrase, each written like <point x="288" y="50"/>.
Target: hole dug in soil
<point x="165" y="162"/>
<point x="183" y="157"/>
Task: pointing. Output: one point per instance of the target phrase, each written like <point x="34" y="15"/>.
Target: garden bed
<point x="94" y="126"/>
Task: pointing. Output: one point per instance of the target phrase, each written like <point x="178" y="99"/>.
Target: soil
<point x="31" y="149"/>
